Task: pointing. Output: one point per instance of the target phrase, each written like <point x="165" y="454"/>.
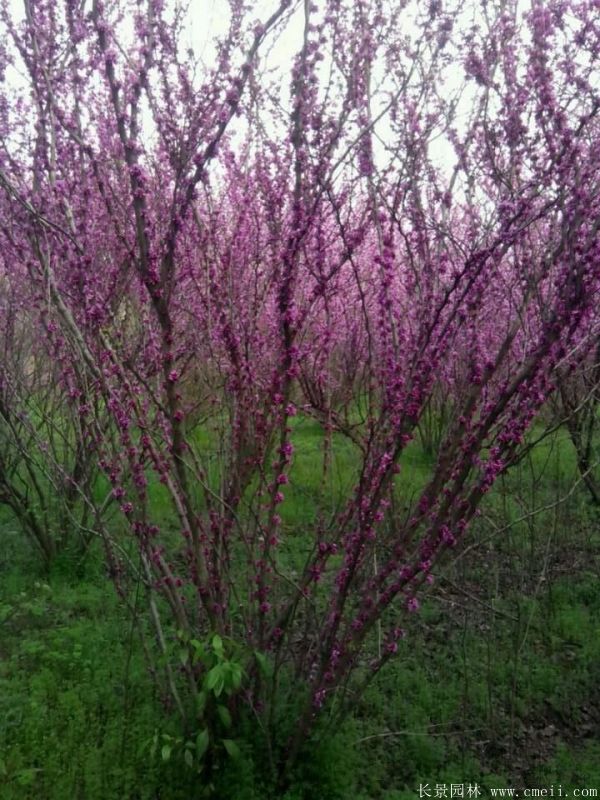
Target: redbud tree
<point x="46" y="469"/>
<point x="349" y="212"/>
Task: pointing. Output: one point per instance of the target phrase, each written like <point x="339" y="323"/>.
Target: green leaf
<point x="212" y="677"/>
<point x="232" y="749"/>
<point x="200" y="653"/>
<point x="166" y="752"/>
<point x="224" y="716"/>
<point x="217" y="645"/>
<point x="215" y="680"/>
<point x="236" y="676"/>
<point x="188" y="758"/>
<point x="184" y="656"/>
<point x="202" y="742"/>
<point x="201" y="702"/>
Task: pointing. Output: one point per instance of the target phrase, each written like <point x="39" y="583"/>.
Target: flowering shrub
<point x="407" y="208"/>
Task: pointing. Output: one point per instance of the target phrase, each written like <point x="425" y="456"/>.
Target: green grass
<point x="458" y="705"/>
<point x="496" y="682"/>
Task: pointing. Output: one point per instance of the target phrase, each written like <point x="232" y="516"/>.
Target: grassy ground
<point x="497" y="681"/>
